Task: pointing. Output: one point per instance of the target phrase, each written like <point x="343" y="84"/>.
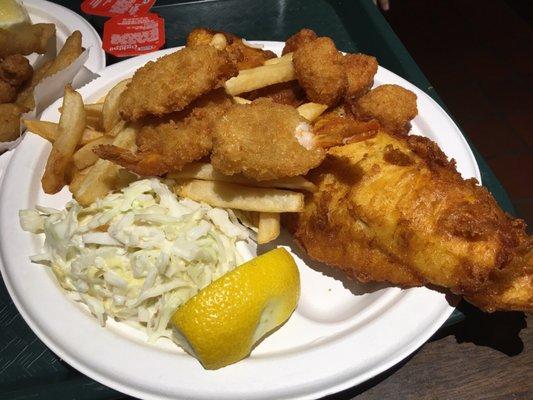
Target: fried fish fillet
<point x="394" y="209"/>
<point x="174" y="81"/>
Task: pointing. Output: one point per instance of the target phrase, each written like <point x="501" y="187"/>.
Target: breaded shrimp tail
<point x="403" y="199"/>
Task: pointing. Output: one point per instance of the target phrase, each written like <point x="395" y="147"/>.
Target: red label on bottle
<point x="112" y="8"/>
<point x="131" y="36"/>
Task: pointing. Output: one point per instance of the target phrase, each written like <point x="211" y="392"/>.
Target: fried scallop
<point x="319" y="68"/>
<point x="360" y="70"/>
<point x="260" y="141"/>
<point x="392" y="105"/>
<point x="297" y="40"/>
<point x="174" y="81"/>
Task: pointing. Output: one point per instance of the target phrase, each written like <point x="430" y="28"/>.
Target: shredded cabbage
<point x="138" y="254"/>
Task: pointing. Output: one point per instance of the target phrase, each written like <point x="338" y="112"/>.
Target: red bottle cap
<point x="131" y="36"/>
<point x="112" y="8"/>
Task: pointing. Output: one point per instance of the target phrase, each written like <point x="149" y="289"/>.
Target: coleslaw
<point x="138" y="254"/>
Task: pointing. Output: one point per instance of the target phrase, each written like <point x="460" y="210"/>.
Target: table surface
<point x="484" y="356"/>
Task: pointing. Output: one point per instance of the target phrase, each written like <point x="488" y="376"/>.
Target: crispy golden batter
<point x="284" y="93"/>
<point x="167" y="144"/>
<point x="10" y="121"/>
<point x="15" y="70"/>
<point x="26" y="39"/>
<point x="8" y="93"/>
<point x="360" y="70"/>
<point x="320" y="71"/>
<point x="241" y="54"/>
<point x="300" y="38"/>
<point x="174" y="81"/>
<point x="402" y="199"/>
<point x="258" y="139"/>
<point x="392" y="105"/>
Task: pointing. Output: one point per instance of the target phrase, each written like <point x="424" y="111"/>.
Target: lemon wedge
<point x="221" y="323"/>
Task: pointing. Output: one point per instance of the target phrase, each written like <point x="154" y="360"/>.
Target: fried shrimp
<point x="360" y="70"/>
<point x="392" y="105"/>
<point x="243" y="55"/>
<point x="297" y="40"/>
<point x="167" y="144"/>
<point x="263" y="140"/>
<point x="320" y="71"/>
<point x="174" y="81"/>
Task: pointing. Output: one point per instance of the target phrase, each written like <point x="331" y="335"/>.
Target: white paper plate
<point x="67" y="21"/>
<point x="341" y="334"/>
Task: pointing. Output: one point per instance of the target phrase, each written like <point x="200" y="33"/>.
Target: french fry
<point x="66" y="56"/>
<point x="70" y="130"/>
<point x="311" y="111"/>
<point x="85" y="157"/>
<point x="259" y="77"/>
<point x="206" y="172"/>
<point x="48" y="130"/>
<point x="95" y="122"/>
<point x="77" y="178"/>
<point x="45" y="129"/>
<point x="269" y="227"/>
<point x="230" y="195"/>
<point x="94" y="109"/>
<point x="103" y="176"/>
<point x="89" y="135"/>
<point x="241" y="100"/>
<point x="287" y="58"/>
<point x="117" y="128"/>
<point x="110" y="113"/>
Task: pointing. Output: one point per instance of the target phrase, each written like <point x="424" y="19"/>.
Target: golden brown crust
<point x="416" y="209"/>
<point x="241" y="54"/>
<point x="167" y="144"/>
<point x="156" y="88"/>
<point x="258" y="140"/>
<point x="10" y="121"/>
<point x="360" y="70"/>
<point x="319" y="68"/>
<point x="392" y="105"/>
<point x="297" y="40"/>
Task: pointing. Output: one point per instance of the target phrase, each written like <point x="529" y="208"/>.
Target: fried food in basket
<point x="158" y="89"/>
<point x="10" y="121"/>
<point x="260" y="140"/>
<point x="70" y="51"/>
<point x="392" y="105"/>
<point x="242" y="54"/>
<point x="320" y="71"/>
<point x="25" y="39"/>
<point x="399" y="199"/>
<point x="15" y="70"/>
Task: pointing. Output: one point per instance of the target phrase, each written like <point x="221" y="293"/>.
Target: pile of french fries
<point x="83" y="127"/>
